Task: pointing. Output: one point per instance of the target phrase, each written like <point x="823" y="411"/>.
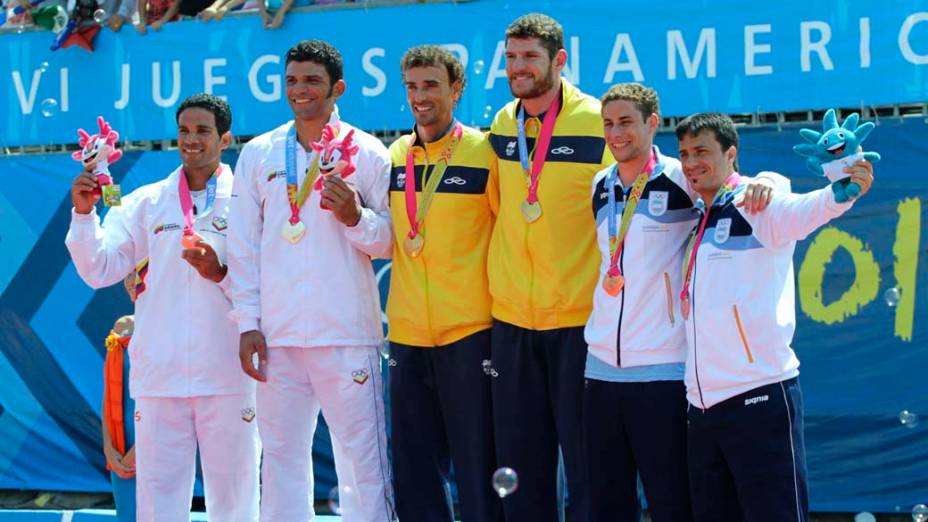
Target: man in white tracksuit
<point x="745" y="420"/>
<point x="185" y="377"/>
<point x="634" y="400"/>
<point x="305" y="297"/>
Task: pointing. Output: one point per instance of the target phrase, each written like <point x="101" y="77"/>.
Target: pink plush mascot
<point x="334" y="155"/>
<point x="100" y="147"/>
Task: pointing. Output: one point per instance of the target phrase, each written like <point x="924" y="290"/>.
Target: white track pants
<point x="346" y="384"/>
<point x="167" y="433"/>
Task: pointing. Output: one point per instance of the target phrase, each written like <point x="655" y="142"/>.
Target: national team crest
<point x="248" y="414"/>
<point x="359" y="376"/>
<point x="220" y="223"/>
<point x="722" y="230"/>
<point x="657" y="202"/>
<point x="401" y="180"/>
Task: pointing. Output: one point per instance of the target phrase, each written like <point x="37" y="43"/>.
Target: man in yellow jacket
<point x="543" y="265"/>
<point x="443" y="195"/>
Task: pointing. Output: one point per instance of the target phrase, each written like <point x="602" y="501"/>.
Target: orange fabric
<point x="113" y="382"/>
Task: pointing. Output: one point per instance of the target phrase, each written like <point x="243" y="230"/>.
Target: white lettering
<point x="367" y="63"/>
<point x="572" y="69"/>
<point x="751" y="48"/>
<point x="123" y="100"/>
<point x="64" y="102"/>
<point x="273" y="79"/>
<point x="498" y="67"/>
<point x="460" y="51"/>
<point x="26" y="103"/>
<point x="705" y="46"/>
<point x="807" y="46"/>
<point x="864" y="43"/>
<point x="209" y="80"/>
<point x="905" y="45"/>
<point x="160" y="100"/>
<point x="623" y="43"/>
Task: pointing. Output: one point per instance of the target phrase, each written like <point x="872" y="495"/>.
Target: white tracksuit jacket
<point x="185" y="344"/>
<point x="641" y="325"/>
<point x="320" y="291"/>
<point x="742" y="292"/>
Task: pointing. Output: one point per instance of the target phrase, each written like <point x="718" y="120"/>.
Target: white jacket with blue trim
<point x="641" y="325"/>
<point x="743" y="312"/>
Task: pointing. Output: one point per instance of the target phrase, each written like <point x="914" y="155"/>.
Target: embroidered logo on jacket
<point x="248" y="414"/>
<point x="401" y="180"/>
<point x="276" y="174"/>
<point x="754" y="400"/>
<point x="359" y="376"/>
<point x="456" y="180"/>
<point x="563" y="150"/>
<point x="511" y="148"/>
<point x="165" y="228"/>
<point x="722" y="230"/>
<point x="657" y="202"/>
<point x="220" y="223"/>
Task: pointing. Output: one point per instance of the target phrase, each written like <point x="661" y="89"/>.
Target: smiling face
<point x="91" y="151"/>
<point x="627" y="134"/>
<point x="198" y="140"/>
<point x="530" y="69"/>
<point x="705" y="165"/>
<point x="309" y="90"/>
<point x="431" y="95"/>
<point x="835" y="141"/>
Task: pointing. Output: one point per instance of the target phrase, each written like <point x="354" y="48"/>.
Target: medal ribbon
<point x="689" y="259"/>
<point x="533" y="174"/>
<point x="297" y="198"/>
<point x="631" y="204"/>
<point x="417" y="216"/>
<point x="186" y="200"/>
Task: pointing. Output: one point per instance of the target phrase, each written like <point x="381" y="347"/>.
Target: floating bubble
<point x="99" y="16"/>
<point x="43" y="66"/>
<point x="505" y="482"/>
<point x="335" y="506"/>
<point x="487" y="111"/>
<point x="892" y="296"/>
<point x="49" y="107"/>
<point x="478" y="66"/>
<point x="920" y="513"/>
<point x="402" y="108"/>
<point x="866" y="516"/>
<point x="908" y="419"/>
<point x="385" y="349"/>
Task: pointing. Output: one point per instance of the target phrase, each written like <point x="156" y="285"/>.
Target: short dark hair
<point x="537" y="25"/>
<point x="644" y="98"/>
<point x="208" y="102"/>
<point x="434" y="56"/>
<point x="721" y="126"/>
<point x="321" y="52"/>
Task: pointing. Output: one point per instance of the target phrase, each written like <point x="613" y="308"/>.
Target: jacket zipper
<point x="744" y="339"/>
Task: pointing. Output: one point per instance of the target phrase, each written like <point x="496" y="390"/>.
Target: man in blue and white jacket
<point x="634" y="397"/>
<point x="745" y="437"/>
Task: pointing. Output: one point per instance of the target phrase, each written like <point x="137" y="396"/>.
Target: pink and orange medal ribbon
<point x="190" y="237"/>
<point x="689" y="260"/>
<point x="614" y="281"/>
<point x="531" y="208"/>
<point x="415" y="212"/>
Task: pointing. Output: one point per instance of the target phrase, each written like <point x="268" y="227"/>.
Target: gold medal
<point x="613" y="284"/>
<point x="413" y="245"/>
<point x="685" y="308"/>
<point x="531" y="211"/>
<point x="294" y="232"/>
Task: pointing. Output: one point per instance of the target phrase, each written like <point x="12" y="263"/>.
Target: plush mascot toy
<point x="101" y="147"/>
<point x="334" y="155"/>
<point x="835" y="148"/>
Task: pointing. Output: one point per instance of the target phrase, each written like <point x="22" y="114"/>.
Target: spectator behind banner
<point x="273" y="11"/>
<point x="159" y="12"/>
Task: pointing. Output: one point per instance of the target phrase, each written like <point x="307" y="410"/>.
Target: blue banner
<point x="721" y="56"/>
<point x="861" y="334"/>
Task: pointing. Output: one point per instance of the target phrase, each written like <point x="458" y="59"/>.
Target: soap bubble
<point x="49" y="107"/>
<point x="866" y="516"/>
<point x="99" y="16"/>
<point x="43" y="66"/>
<point x="892" y="296"/>
<point x="908" y="419"/>
<point x="505" y="481"/>
<point x="478" y="66"/>
<point x="335" y="506"/>
<point x="920" y="513"/>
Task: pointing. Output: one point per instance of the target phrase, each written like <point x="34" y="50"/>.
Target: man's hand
<point x="115" y="23"/>
<point x="82" y="196"/>
<point x="205" y="261"/>
<point x="123" y="466"/>
<point x="757" y="195"/>
<point x="140" y="27"/>
<point x="342" y="200"/>
<point x="862" y="175"/>
<point x="252" y="342"/>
